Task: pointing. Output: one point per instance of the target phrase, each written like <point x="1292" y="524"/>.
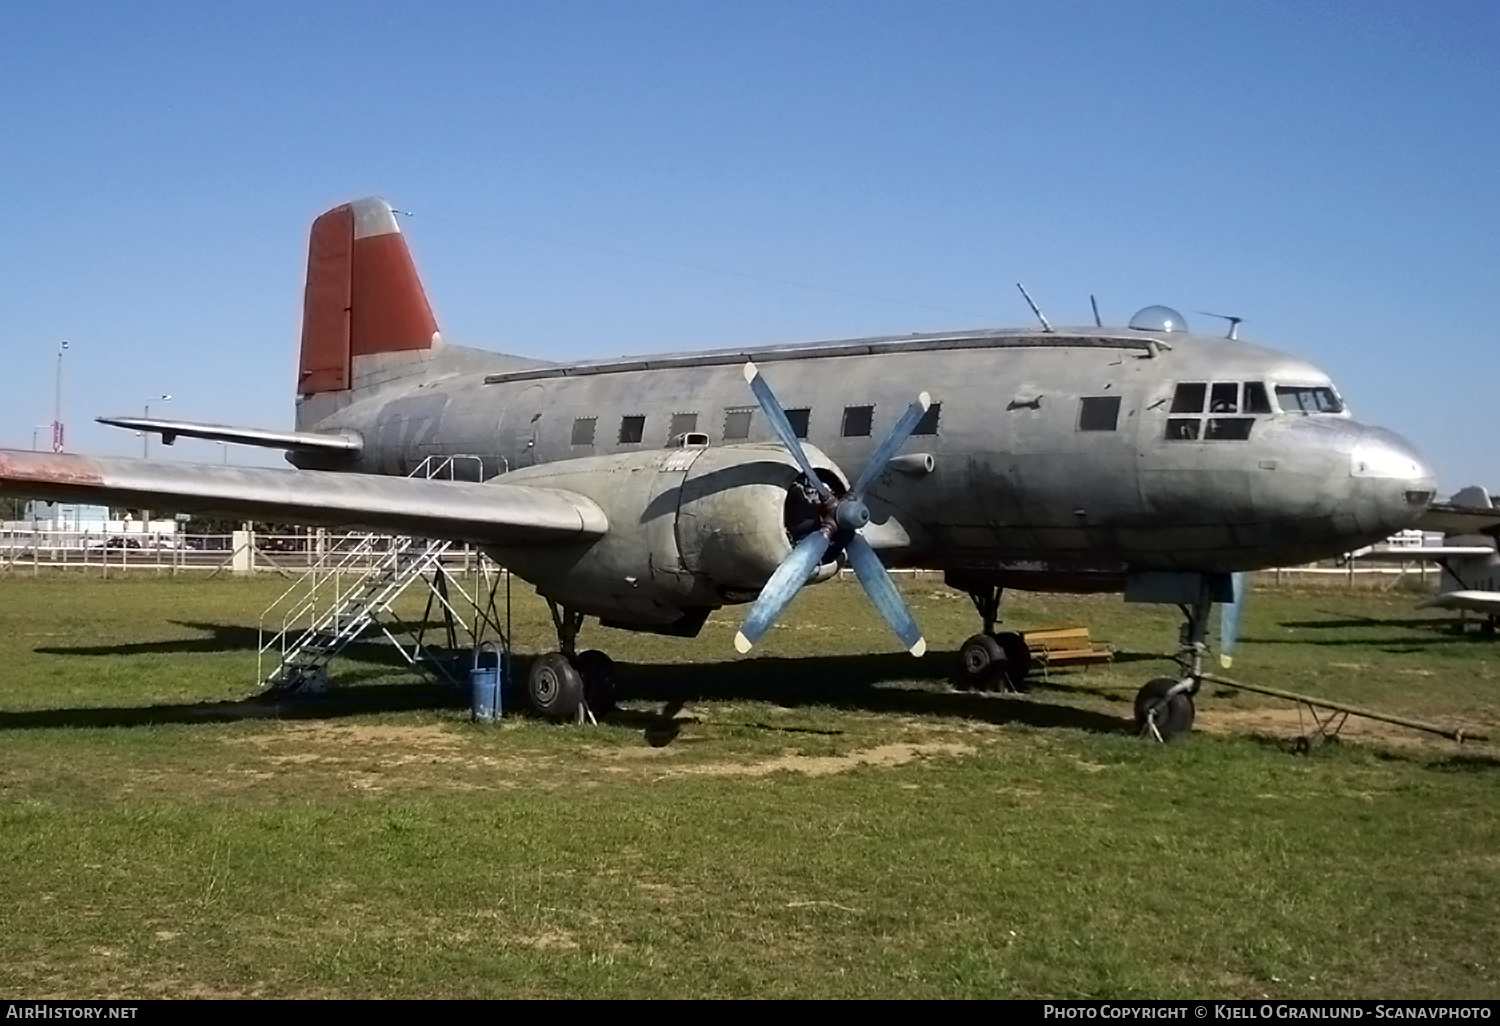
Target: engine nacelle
<point x="691" y="529"/>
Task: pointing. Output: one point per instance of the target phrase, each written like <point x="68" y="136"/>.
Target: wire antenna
<point x="1234" y="323"/>
<point x="1095" y="304"/>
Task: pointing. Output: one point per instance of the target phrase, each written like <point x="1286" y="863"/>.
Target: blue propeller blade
<point x="1229" y="617"/>
<point x="783" y="427"/>
<point x="783" y="586"/>
<point x="882" y="592"/>
<point x="893" y="441"/>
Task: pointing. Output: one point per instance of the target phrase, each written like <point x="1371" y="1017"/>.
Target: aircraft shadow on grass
<point x="884" y="683"/>
<point x="1427" y="632"/>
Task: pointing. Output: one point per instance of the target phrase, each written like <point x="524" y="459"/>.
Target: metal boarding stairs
<point x="354" y="587"/>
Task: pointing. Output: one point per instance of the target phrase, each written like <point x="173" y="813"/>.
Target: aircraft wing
<point x="1452" y="519"/>
<point x="1478" y="601"/>
<point x="1412" y="553"/>
<point x="457" y="510"/>
<point x="346" y="442"/>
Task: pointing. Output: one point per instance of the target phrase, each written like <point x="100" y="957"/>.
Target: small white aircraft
<point x="1470" y="560"/>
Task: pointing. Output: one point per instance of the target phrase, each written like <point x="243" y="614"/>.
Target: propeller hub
<point x="852" y="515"/>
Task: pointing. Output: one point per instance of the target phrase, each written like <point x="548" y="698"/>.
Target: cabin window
<point x="632" y="429"/>
<point x="583" y="430"/>
<point x="1255" y="398"/>
<point x="737" y="424"/>
<point x="798" y="418"/>
<point x="858" y="420"/>
<point x="682" y="423"/>
<point x="1098" y="413"/>
<point x="929" y="422"/>
<point x="1228" y="429"/>
<point x="1224" y="398"/>
<point x="1189" y="398"/>
<point x="1299" y="399"/>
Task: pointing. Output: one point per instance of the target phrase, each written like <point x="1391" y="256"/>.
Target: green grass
<point x="828" y="820"/>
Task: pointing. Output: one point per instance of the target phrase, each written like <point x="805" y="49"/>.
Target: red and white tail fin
<point x="363" y="296"/>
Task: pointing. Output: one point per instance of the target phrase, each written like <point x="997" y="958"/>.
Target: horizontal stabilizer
<point x="490" y="513"/>
<point x="292" y="441"/>
<point x="1476" y="601"/>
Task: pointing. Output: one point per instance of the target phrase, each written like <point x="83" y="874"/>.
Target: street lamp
<point x="57" y="421"/>
<point x="146" y="435"/>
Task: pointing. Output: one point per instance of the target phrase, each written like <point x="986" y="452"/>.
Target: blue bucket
<point x="484" y="684"/>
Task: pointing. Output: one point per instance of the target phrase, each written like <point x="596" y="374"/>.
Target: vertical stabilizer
<point x="363" y="297"/>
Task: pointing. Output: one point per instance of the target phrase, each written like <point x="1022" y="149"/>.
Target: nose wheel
<point x="1164" y="706"/>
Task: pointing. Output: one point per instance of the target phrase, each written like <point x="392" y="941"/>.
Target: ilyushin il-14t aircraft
<point x="649" y="491"/>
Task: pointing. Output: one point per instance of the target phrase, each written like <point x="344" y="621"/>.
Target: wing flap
<point x="463" y="511"/>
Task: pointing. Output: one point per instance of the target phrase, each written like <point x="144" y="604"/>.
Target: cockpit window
<point x="1225" y="397"/>
<point x="1189" y="397"/>
<point x="1220" y="400"/>
<point x="1305" y="399"/>
<point x="1255" y="398"/>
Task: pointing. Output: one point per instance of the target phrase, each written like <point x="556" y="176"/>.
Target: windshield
<point x="1307" y="399"/>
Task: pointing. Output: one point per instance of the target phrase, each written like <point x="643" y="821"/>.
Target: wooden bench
<point x="1065" y="646"/>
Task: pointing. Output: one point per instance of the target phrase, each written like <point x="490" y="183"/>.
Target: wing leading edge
<point x="346" y="443"/>
<point x="457" y="510"/>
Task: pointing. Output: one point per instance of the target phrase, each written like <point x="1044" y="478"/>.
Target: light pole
<point x="57" y="421"/>
<point x="146" y="435"/>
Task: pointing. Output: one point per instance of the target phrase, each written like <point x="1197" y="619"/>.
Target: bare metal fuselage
<point x="1021" y="491"/>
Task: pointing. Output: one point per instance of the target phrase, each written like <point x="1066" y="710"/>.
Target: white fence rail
<point x="23" y="551"/>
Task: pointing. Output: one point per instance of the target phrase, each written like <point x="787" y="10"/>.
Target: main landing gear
<point x="1164" y="706"/>
<point x="990" y="661"/>
<point x="569" y="685"/>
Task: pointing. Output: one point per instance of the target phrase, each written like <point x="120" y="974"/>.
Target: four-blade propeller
<point x="839" y="521"/>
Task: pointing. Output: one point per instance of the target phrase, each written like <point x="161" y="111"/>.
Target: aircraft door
<point x="520" y="426"/>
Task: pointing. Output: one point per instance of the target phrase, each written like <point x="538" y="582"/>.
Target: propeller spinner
<point x="840" y="518"/>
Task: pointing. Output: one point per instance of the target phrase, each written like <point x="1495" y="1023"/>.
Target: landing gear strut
<point x="566" y="685"/>
<point x="1164" y="706"/>
<point x="990" y="661"/>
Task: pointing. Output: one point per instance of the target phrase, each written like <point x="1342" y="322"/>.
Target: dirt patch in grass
<point x="825" y="765"/>
<point x="1294" y="723"/>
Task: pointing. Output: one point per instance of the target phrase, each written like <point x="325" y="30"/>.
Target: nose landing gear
<point x="1164" y="706"/>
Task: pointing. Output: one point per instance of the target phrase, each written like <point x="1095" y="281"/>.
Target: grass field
<point x="818" y="821"/>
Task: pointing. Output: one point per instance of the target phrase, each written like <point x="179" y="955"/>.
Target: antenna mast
<point x="1045" y="326"/>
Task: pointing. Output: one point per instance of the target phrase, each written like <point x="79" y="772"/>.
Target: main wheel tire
<point x="1174" y="718"/>
<point x="1017" y="658"/>
<point x="981" y="662"/>
<point x="554" y="687"/>
<point x="598" y="673"/>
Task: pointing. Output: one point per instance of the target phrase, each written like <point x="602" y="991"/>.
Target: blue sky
<point x="1327" y="171"/>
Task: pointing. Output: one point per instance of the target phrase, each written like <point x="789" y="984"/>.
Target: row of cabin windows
<point x="858" y="422"/>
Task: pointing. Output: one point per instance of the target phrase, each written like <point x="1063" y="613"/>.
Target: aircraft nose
<point x="1394" y="479"/>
